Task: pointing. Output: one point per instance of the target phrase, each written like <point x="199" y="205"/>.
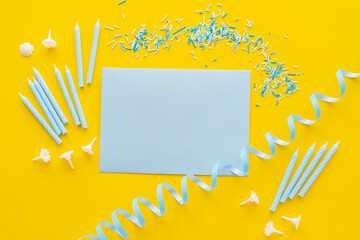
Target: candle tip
<point x="98" y="21"/>
<point x="29" y="81"/>
<point x="76" y="26"/>
<point x="21" y="95"/>
<point x="35" y="71"/>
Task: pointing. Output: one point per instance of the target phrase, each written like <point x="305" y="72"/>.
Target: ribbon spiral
<point x="139" y="220"/>
<point x="271" y="139"/>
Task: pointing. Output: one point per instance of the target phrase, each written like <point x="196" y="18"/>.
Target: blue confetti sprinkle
<point x="208" y="34"/>
<point x="121" y="2"/>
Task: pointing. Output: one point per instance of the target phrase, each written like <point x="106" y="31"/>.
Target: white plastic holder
<point x="49" y="43"/>
<point x="44" y="155"/>
<point x="295" y="221"/>
<point x="67" y="156"/>
<point x="270" y="229"/>
<point x="252" y="198"/>
<point x="88" y="148"/>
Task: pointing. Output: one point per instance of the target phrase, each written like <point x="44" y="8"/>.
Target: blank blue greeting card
<point x="172" y="121"/>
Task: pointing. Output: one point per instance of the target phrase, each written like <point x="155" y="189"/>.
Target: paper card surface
<point x="172" y="121"/>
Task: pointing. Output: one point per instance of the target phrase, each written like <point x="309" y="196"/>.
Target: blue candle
<point x="79" y="56"/>
<point x="284" y="181"/>
<point x="297" y="173"/>
<point x="40" y="119"/>
<point x="307" y="171"/>
<point x="44" y="108"/>
<point x="75" y="97"/>
<point x="318" y="169"/>
<point x="50" y="107"/>
<point x="67" y="96"/>
<point x="93" y="52"/>
<point x="50" y="96"/>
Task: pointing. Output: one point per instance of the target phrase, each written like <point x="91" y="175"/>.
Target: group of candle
<point x="297" y="181"/>
<point x="46" y="99"/>
<point x="50" y="106"/>
<point x="92" y="54"/>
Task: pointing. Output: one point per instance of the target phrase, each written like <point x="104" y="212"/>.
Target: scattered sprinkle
<point x="257" y="105"/>
<point x="206" y="35"/>
<point x="163" y="18"/>
<point x="249" y="24"/>
<point x="116" y="26"/>
<point x="219" y="5"/>
<point x="121" y="2"/>
<point x="114" y="45"/>
<point x="109" y="42"/>
<point x="285" y="36"/>
<point x="109" y="28"/>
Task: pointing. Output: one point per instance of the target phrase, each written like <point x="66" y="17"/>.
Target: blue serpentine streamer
<point x="139" y="220"/>
<point x="271" y="139"/>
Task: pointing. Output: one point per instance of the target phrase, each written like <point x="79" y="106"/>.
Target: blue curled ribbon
<point x="139" y="220"/>
<point x="271" y="139"/>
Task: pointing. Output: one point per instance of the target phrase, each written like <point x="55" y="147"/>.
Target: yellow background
<point x="51" y="201"/>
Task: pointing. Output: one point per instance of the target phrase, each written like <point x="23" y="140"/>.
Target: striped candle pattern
<point x="67" y="96"/>
<point x="284" y="181"/>
<point x="93" y="52"/>
<point x="40" y="119"/>
<point x="297" y="173"/>
<point x="44" y="108"/>
<point x="50" y="96"/>
<point x="319" y="169"/>
<point x="76" y="98"/>
<point x="307" y="171"/>
<point x="79" y="56"/>
<point x="50" y="107"/>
